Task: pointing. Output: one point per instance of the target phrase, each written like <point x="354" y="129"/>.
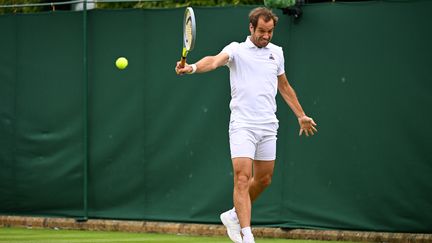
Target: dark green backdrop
<point x="157" y="143"/>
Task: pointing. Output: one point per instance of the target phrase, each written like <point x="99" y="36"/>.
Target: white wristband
<point x="194" y="68"/>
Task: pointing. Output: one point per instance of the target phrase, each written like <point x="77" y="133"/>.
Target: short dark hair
<point x="264" y="12"/>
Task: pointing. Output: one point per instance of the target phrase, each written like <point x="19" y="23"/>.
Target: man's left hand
<point x="307" y="125"/>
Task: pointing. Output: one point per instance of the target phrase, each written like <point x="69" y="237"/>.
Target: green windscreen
<point x="158" y="143"/>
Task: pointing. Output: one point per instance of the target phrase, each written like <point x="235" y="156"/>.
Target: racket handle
<point x="182" y="62"/>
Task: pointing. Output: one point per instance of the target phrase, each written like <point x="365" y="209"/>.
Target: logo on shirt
<point x="271" y="56"/>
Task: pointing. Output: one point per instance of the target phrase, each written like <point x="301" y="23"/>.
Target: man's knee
<point x="264" y="181"/>
<point x="241" y="181"/>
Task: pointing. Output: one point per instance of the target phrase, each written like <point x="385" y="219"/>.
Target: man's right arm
<point x="206" y="64"/>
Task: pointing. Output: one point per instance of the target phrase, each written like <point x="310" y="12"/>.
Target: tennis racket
<point x="189" y="34"/>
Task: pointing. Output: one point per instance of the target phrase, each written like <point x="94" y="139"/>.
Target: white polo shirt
<point x="253" y="79"/>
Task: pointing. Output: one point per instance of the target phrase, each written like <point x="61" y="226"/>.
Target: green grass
<point x="25" y="235"/>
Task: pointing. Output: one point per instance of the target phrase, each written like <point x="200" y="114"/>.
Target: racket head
<point x="189" y="30"/>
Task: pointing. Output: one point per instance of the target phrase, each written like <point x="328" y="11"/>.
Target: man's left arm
<point x="307" y="124"/>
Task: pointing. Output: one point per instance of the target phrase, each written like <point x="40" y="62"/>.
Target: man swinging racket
<point x="256" y="74"/>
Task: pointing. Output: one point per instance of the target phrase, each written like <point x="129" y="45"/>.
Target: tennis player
<point x="256" y="74"/>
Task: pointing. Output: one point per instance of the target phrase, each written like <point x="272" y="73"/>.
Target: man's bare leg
<point x="262" y="176"/>
<point x="242" y="177"/>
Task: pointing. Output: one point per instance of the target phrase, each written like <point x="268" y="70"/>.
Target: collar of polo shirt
<point x="250" y="44"/>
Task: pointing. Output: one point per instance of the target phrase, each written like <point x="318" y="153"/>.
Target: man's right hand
<point x="183" y="70"/>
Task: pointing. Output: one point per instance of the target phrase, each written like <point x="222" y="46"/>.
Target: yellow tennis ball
<point x="121" y="63"/>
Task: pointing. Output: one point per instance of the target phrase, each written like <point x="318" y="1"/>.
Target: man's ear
<point x="251" y="28"/>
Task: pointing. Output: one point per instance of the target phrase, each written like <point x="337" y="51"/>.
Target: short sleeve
<point x="230" y="50"/>
<point x="281" y="65"/>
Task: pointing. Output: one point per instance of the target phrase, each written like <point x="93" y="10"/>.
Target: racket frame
<point x="188" y="16"/>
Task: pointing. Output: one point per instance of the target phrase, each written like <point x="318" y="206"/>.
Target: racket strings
<point x="188" y="32"/>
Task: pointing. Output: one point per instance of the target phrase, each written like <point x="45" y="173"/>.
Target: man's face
<point x="263" y="32"/>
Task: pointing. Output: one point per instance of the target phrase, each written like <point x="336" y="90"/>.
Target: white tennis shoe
<point x="232" y="226"/>
<point x="248" y="240"/>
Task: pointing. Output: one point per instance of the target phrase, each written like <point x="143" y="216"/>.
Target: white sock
<point x="233" y="214"/>
<point x="247" y="233"/>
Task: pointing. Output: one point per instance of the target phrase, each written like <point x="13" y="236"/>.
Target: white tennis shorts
<point x="255" y="141"/>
